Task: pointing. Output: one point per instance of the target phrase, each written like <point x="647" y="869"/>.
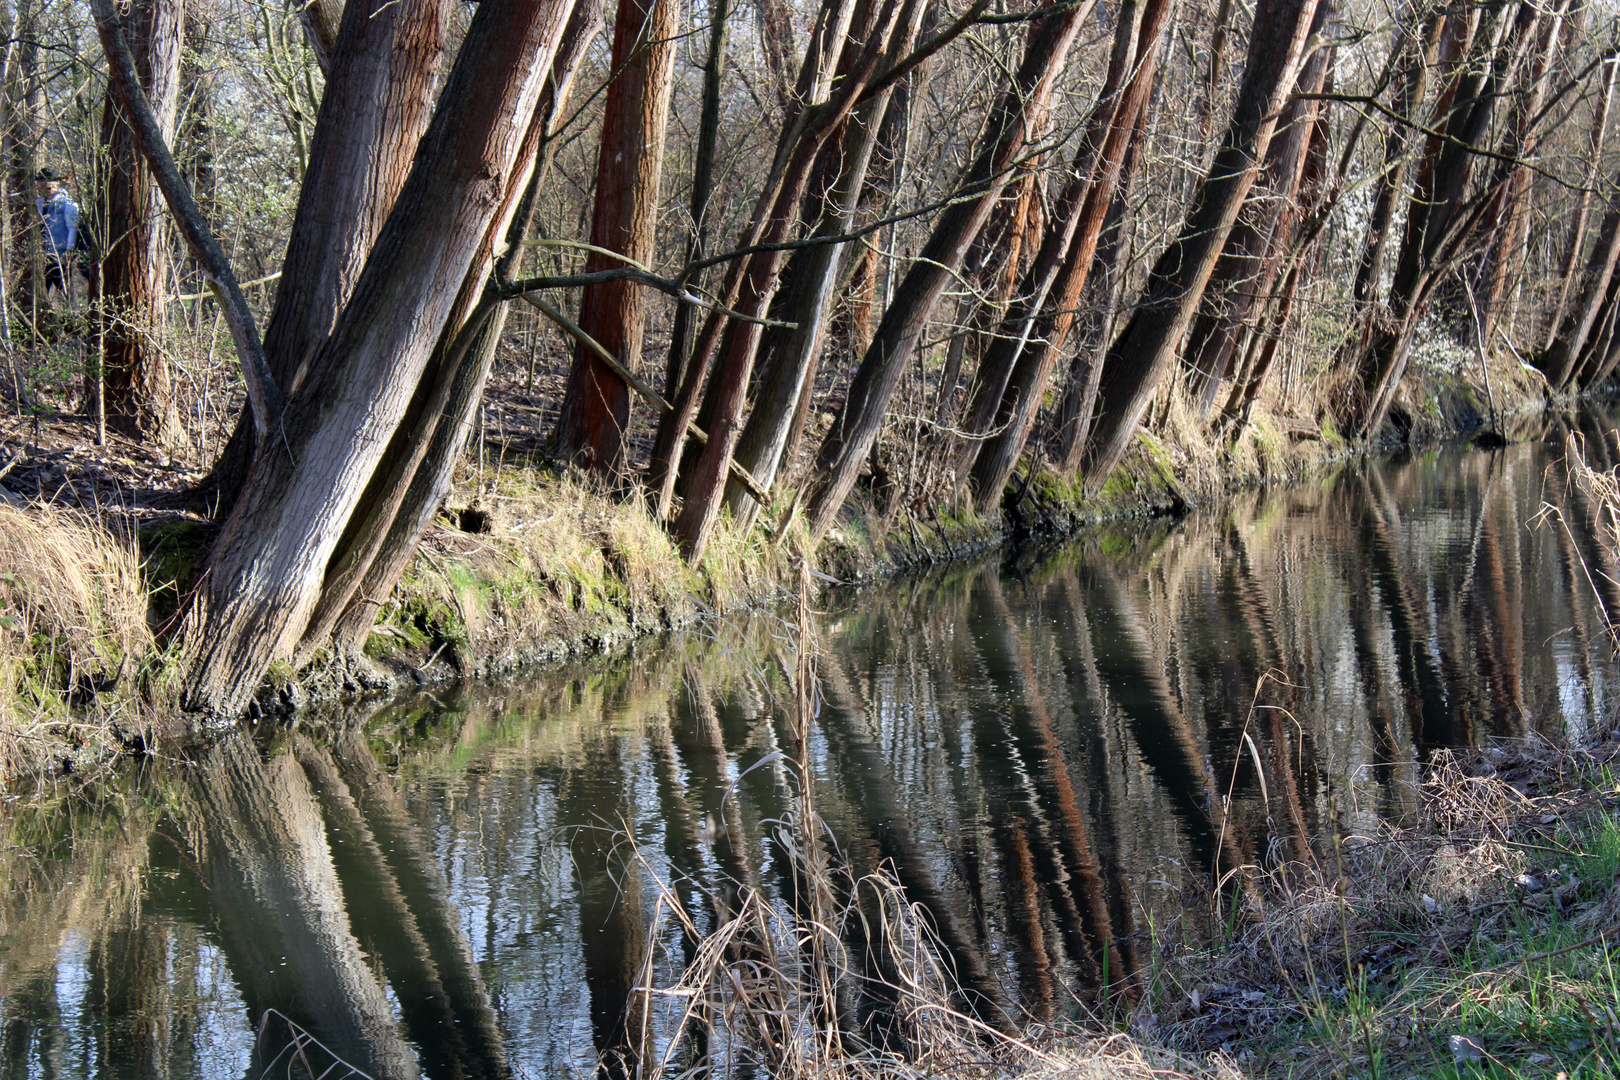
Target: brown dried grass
<point x="72" y="618"/>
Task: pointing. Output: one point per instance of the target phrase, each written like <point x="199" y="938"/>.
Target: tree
<point x="1012" y="124"/>
<point x="596" y="410"/>
<point x="318" y="454"/>
<point x="1144" y="350"/>
<point x="133" y="279"/>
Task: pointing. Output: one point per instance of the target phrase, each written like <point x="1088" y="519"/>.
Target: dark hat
<point x="48" y="176"/>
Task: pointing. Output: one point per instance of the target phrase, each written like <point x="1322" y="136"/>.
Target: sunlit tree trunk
<point x="848" y="444"/>
<point x="1262" y="237"/>
<point x="372" y="116"/>
<point x="827" y="102"/>
<point x="139" y="399"/>
<point x="1019" y="365"/>
<point x="267" y="568"/>
<point x="1145" y="349"/>
<point x="596" y="409"/>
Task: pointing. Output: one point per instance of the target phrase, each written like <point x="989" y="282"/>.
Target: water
<point x="1044" y="754"/>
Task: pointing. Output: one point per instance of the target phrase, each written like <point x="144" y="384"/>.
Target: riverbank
<point x="527" y="564"/>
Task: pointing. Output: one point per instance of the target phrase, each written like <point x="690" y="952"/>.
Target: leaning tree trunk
<point x="372" y="116"/>
<point x="139" y="399"/>
<point x="848" y="444"/>
<point x="596" y="407"/>
<point x="1016" y="371"/>
<point x="815" y="273"/>
<point x="1576" y="244"/>
<point x="380" y="543"/>
<point x="1147" y="346"/>
<point x="1260" y="239"/>
<point x="826" y="104"/>
<point x="266" y="570"/>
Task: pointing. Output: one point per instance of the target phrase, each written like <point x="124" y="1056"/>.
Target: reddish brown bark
<point x="847" y="445"/>
<point x="596" y="408"/>
<point x="1145" y="349"/>
<point x="138" y="397"/>
<point x="1021" y="362"/>
<point x="857" y="63"/>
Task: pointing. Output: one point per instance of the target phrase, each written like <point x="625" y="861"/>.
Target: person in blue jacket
<point x="59" y="215"/>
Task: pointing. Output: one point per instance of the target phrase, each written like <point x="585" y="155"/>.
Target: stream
<point x="1046" y="750"/>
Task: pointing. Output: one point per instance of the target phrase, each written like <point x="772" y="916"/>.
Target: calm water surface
<point x="1041" y="751"/>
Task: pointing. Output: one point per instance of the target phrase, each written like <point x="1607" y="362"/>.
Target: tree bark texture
<point x="1147" y="346"/>
<point x="828" y="104"/>
<point x="265" y="574"/>
<point x="1015" y="374"/>
<point x="848" y="444"/>
<point x="1262" y="236"/>
<point x="134" y="259"/>
<point x="1444" y="210"/>
<point x="596" y="406"/>
<point x="815" y="273"/>
<point x="373" y="112"/>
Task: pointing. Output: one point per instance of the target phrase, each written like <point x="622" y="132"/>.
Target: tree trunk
<point x="848" y="444"/>
<point x="1583" y="209"/>
<point x="827" y="104"/>
<point x="1147" y="346"/>
<point x="714" y="69"/>
<point x="1260" y="240"/>
<point x="1114" y="253"/>
<point x="596" y="408"/>
<point x="381" y="539"/>
<point x="372" y="116"/>
<point x="265" y="573"/>
<point x="1419" y="52"/>
<point x="1028" y="347"/>
<point x="1441" y="218"/>
<point x="139" y="400"/>
<point x="815" y="272"/>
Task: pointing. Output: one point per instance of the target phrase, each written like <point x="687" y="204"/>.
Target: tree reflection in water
<point x="1042" y="753"/>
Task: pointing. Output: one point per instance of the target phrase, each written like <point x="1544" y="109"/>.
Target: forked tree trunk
<point x="826" y="104"/>
<point x="596" y="408"/>
<point x="372" y="116"/>
<point x="369" y="555"/>
<point x="138" y="398"/>
<point x="1419" y="52"/>
<point x="815" y="274"/>
<point x="1114" y="252"/>
<point x="268" y="564"/>
<point x="1442" y="218"/>
<point x="1147" y="346"/>
<point x="848" y="444"/>
<point x="805" y="128"/>
<point x="1576" y="245"/>
<point x="1260" y="240"/>
<point x="1563" y="364"/>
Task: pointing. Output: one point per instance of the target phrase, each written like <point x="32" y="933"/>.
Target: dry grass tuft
<point x="1493" y="917"/>
<point x="73" y="622"/>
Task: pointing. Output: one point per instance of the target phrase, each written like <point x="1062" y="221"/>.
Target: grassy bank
<point x="1483" y="940"/>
